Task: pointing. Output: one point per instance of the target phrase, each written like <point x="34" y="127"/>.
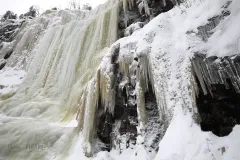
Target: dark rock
<point x="105" y="128"/>
<point x="2" y="64"/>
<point x="219" y="104"/>
<point x="118" y="111"/>
<point x="54" y="9"/>
<point x="155" y="129"/>
<point x="87" y="6"/>
<point x="1" y="45"/>
<point x="8" y="30"/>
<point x="120" y="105"/>
<point x="207" y="30"/>
<point x="133" y="15"/>
<point x="136" y="59"/>
<point x="8" y="54"/>
<point x="8" y="27"/>
<point x="159" y="7"/>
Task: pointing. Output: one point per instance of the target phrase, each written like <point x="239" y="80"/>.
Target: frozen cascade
<point x="60" y="71"/>
<point x="63" y="57"/>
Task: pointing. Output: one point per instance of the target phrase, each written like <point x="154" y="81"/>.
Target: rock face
<point x="218" y="84"/>
<point x="118" y="130"/>
<point x="141" y="12"/>
<point x="155" y="129"/>
<point x="159" y="6"/>
<point x="2" y="63"/>
<point x="8" y="30"/>
<point x="8" y="27"/>
<point x="218" y="98"/>
<point x="135" y="111"/>
<point x="206" y="31"/>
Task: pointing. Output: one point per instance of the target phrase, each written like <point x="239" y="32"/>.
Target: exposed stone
<point x="155" y="129"/>
<point x="2" y="63"/>
<point x="8" y="54"/>
<point x="158" y="6"/>
<point x="1" y="45"/>
<point x="135" y="15"/>
<point x="218" y="97"/>
<point x="207" y="30"/>
<point x="105" y="127"/>
<point x="8" y="30"/>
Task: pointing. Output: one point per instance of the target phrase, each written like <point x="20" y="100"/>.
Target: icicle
<point x="140" y="7"/>
<point x="107" y="79"/>
<point x="81" y="110"/>
<point x="107" y="92"/>
<point x="128" y="5"/>
<point x="125" y="5"/>
<point x="146" y="71"/>
<point x="164" y="3"/>
<point x="200" y="77"/>
<point x="146" y="8"/>
<point x="144" y="5"/>
<point x="142" y="117"/>
<point x="90" y="114"/>
<point x="213" y="70"/>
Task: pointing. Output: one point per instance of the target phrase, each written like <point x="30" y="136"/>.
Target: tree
<point x="86" y="6"/>
<point x="8" y="15"/>
<point x="32" y="13"/>
<point x="74" y="4"/>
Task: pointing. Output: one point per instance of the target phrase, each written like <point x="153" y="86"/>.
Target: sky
<point x="22" y="6"/>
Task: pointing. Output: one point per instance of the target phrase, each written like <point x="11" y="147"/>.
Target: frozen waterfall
<point x="61" y="52"/>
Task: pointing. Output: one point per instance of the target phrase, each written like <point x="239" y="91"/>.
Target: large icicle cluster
<point x="214" y="70"/>
<point x="129" y="73"/>
<point x="217" y="96"/>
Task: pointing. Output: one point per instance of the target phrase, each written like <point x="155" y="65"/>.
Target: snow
<point x="72" y="123"/>
<point x="10" y="79"/>
<point x="184" y="140"/>
<point x="227" y="37"/>
<point x="132" y="28"/>
<point x="165" y="40"/>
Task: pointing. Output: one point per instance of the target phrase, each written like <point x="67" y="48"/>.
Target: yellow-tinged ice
<point x="63" y="80"/>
